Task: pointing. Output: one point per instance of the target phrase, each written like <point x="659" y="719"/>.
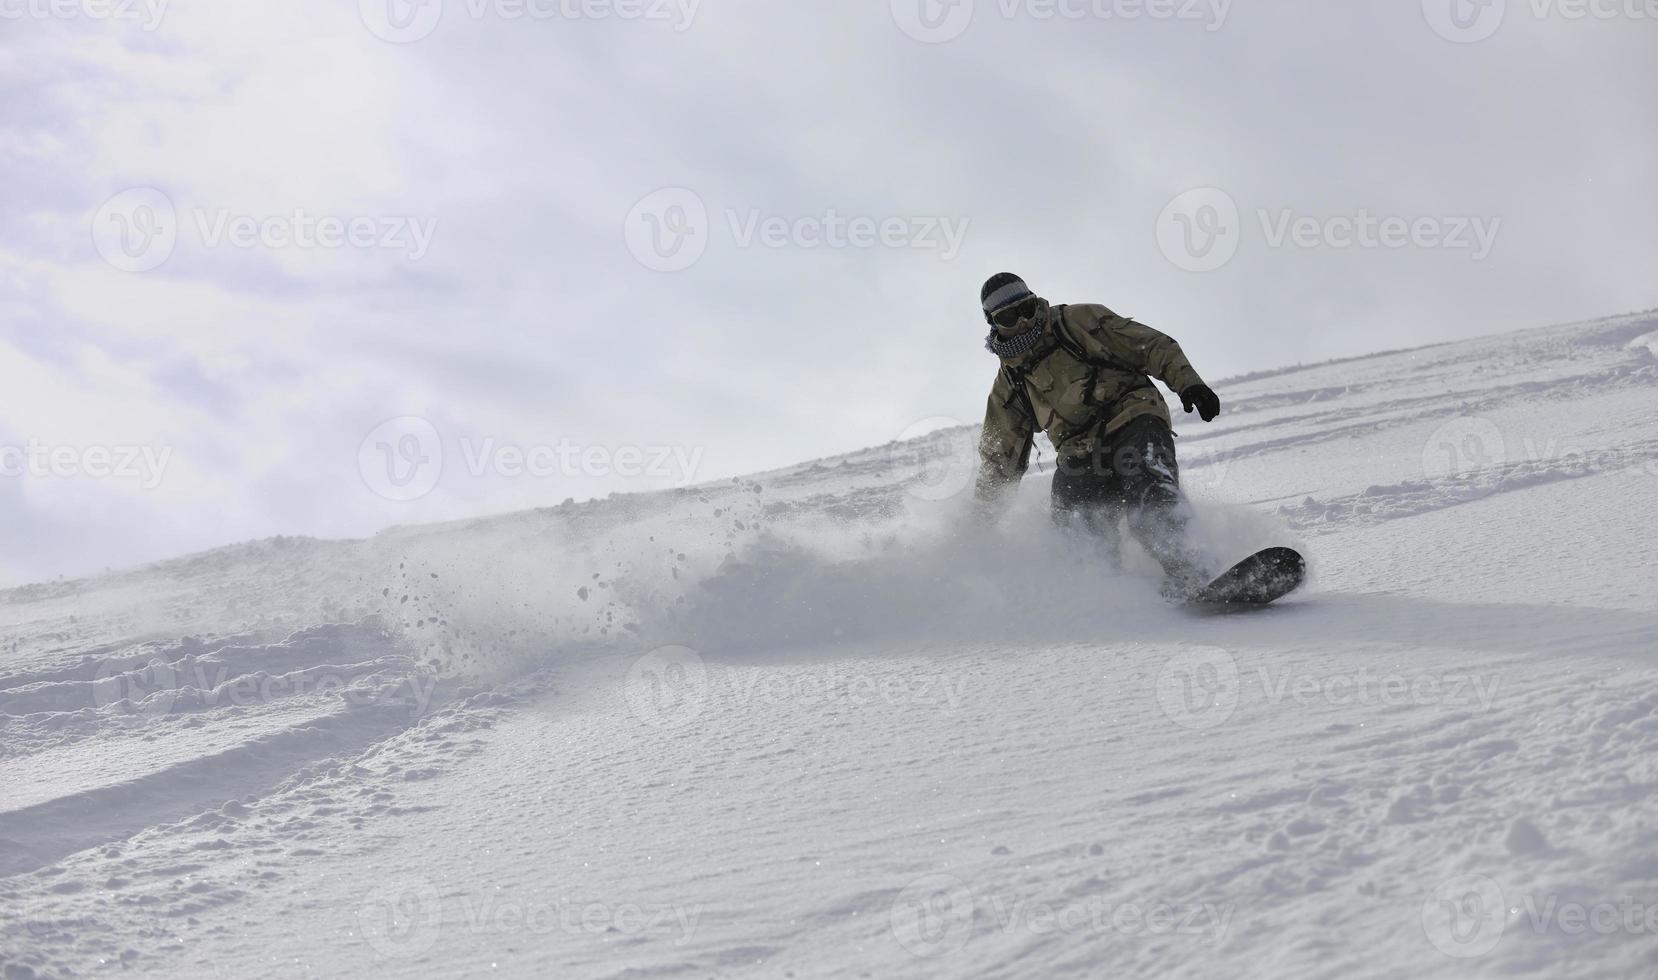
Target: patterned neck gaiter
<point x="1016" y="347"/>
<point x="1021" y="344"/>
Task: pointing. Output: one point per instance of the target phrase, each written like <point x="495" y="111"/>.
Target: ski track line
<point x="363" y="689"/>
<point x="1391" y="502"/>
<point x="122" y="902"/>
<point x="1364" y="420"/>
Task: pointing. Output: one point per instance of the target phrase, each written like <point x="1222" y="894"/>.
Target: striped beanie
<point x="1001" y="290"/>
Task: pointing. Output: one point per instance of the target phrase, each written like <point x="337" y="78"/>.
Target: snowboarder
<point x="1082" y="374"/>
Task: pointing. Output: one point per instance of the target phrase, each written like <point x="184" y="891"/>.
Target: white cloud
<point x="527" y="142"/>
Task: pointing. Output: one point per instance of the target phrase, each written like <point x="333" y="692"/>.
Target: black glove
<point x="1204" y="399"/>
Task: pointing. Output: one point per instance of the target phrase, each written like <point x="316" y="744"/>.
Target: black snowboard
<point x="1258" y="580"/>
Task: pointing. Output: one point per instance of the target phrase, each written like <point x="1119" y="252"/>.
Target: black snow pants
<point x="1133" y="474"/>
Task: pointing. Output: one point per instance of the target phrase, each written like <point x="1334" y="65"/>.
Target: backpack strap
<point x="1016" y="381"/>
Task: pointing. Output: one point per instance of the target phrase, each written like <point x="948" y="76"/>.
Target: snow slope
<point x="815" y="723"/>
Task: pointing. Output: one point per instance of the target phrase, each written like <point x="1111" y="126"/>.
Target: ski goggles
<point x="1009" y="316"/>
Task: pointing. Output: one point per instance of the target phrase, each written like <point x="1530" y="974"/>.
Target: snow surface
<point x="814" y="723"/>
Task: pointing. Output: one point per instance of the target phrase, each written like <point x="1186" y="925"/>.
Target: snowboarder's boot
<point x="1161" y="528"/>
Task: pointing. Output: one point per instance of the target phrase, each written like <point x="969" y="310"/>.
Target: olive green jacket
<point x="1076" y="400"/>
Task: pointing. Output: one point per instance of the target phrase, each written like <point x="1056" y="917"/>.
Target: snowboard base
<point x="1261" y="579"/>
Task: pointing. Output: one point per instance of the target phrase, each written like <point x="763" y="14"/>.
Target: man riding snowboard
<point x="1082" y="374"/>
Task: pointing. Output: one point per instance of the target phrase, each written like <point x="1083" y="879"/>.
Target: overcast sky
<point x="320" y="267"/>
